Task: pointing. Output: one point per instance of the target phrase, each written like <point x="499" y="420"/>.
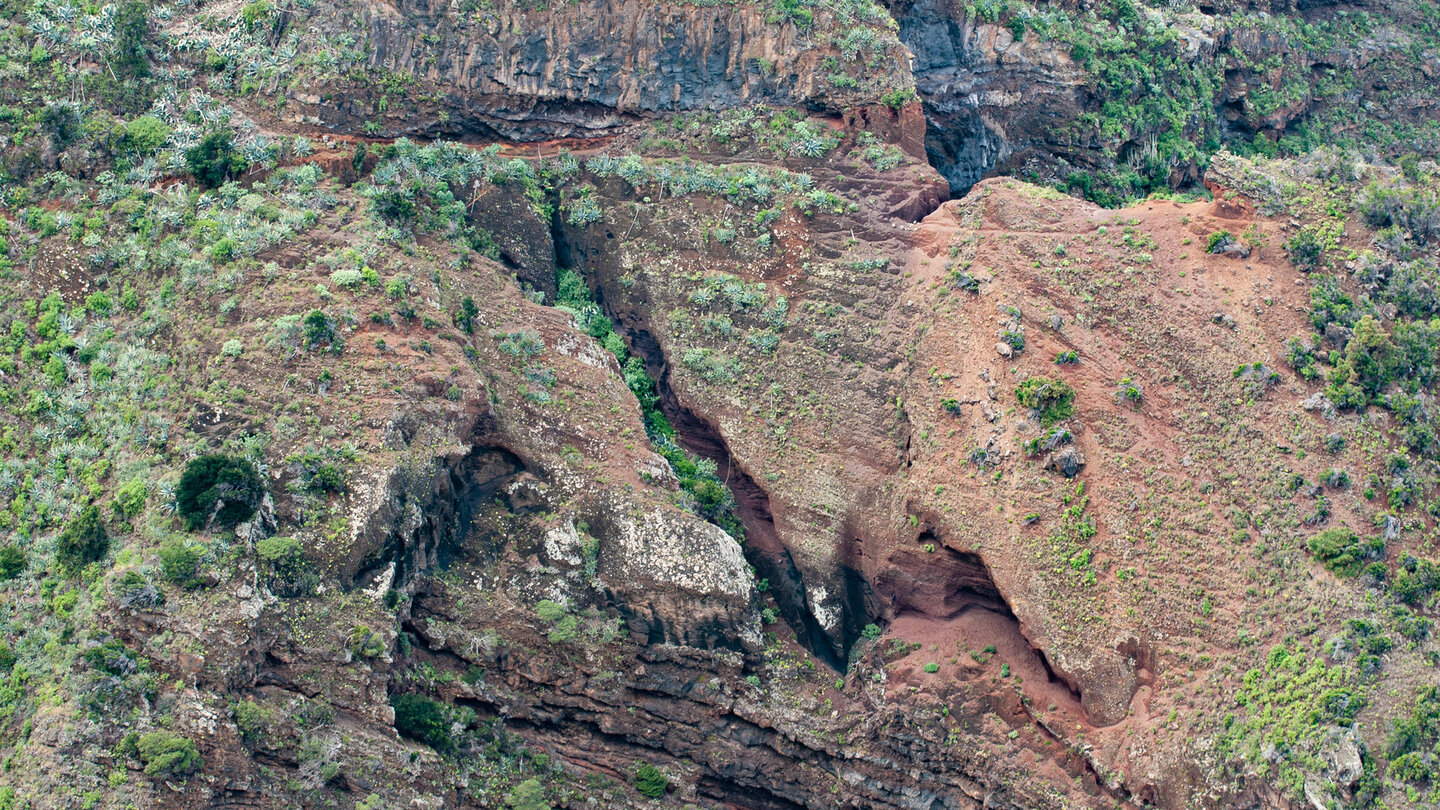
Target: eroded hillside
<point x="486" y="405"/>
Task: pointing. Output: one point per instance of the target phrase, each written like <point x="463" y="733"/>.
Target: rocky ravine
<point x="1015" y="474"/>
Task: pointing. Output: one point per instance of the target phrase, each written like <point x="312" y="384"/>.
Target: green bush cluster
<point x="218" y="490"/>
<point x="180" y="562"/>
<point x="215" y="159"/>
<point x="1414" y="741"/>
<point x="84" y="539"/>
<point x="1052" y="399"/>
<point x="287" y="571"/>
<point x="423" y="720"/>
<point x="650" y="780"/>
<point x="563" y="625"/>
<point x="1343" y="551"/>
<point x="165" y="755"/>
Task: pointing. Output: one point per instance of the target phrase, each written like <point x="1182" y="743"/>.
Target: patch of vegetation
<point x="650" y="780"/>
<point x="167" y="755"/>
<point x="1285" y="705"/>
<point x="218" y="490"/>
<point x="84" y="539"/>
<point x="704" y="492"/>
<point x="180" y="562"/>
<point x="1053" y="400"/>
<point x="1414" y="738"/>
<point x="1343" y="551"/>
<point x="215" y="159"/>
<point x="423" y="720"/>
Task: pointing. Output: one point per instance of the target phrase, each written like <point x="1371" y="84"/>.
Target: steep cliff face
<point x="1063" y="92"/>
<point x="675" y="442"/>
<point x="990" y="100"/>
<point x="518" y="71"/>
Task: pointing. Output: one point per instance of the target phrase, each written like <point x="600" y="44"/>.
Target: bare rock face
<point x="989" y="99"/>
<point x="1068" y="462"/>
<point x="584" y="70"/>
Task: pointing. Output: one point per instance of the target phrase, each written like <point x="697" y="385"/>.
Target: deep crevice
<point x="763" y="549"/>
<point x="958" y="142"/>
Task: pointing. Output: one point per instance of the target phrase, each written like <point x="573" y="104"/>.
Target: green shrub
<point x="167" y="756"/>
<point x="322" y="470"/>
<point x="1052" y="399"/>
<point x="1306" y="249"/>
<point x="1126" y="390"/>
<point x="1418" y="731"/>
<point x="528" y="795"/>
<point x="1217" y="241"/>
<point x="895" y="99"/>
<point x="651" y="781"/>
<point x="12" y="562"/>
<point x="1342" y="551"/>
<point x="1409" y="767"/>
<point x="99" y="303"/>
<point x="84" y="540"/>
<point x="288" y="573"/>
<point x="1414" y="580"/>
<point x="423" y="720"/>
<point x="549" y="611"/>
<point x="465" y="315"/>
<point x="218" y="489"/>
<point x="252" y="719"/>
<point x="366" y="643"/>
<point x="145" y="134"/>
<point x="932" y="667"/>
<point x="215" y="159"/>
<point x="129" y="32"/>
<point x="180" y="563"/>
<point x="130" y="499"/>
<point x="256" y="12"/>
<point x="318" y="329"/>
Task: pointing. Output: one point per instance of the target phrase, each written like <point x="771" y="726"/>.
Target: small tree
<point x="465" y="316"/>
<point x="12" y="562"/>
<point x="318" y="329"/>
<point x="84" y="540"/>
<point x="130" y="30"/>
<point x="180" y="561"/>
<point x="422" y="719"/>
<point x="214" y="159"/>
<point x="220" y="489"/>
<point x="528" y="795"/>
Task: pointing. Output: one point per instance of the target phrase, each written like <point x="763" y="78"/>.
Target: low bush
<point x="651" y="781"/>
<point x="1342" y="551"/>
<point x="1052" y="399"/>
<point x="180" y="562"/>
<point x="167" y="756"/>
<point x="215" y="159"/>
<point x="12" y="562"/>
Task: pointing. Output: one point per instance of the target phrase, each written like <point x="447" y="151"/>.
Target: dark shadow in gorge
<point x="958" y="142"/>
